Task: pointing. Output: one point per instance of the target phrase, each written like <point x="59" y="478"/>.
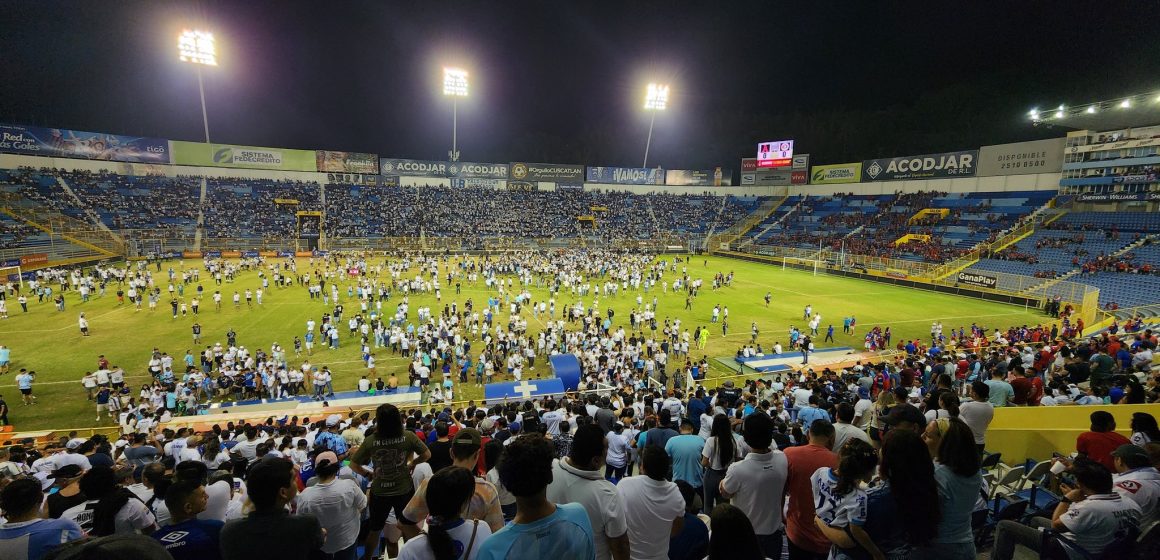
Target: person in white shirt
<point x="448" y="494"/>
<point x="756" y="484"/>
<point x="844" y="429"/>
<point x="1137" y="480"/>
<point x="337" y="502"/>
<point x="978" y="412"/>
<point x="132" y="517"/>
<point x="653" y="506"/>
<point x="577" y="478"/>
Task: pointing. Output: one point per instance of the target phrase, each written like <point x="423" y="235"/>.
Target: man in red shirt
<point x="806" y="542"/>
<point x="1098" y="444"/>
<point x="1028" y="387"/>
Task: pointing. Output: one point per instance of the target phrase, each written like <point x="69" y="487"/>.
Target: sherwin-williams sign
<point x="928" y="166"/>
<point x="837" y="173"/>
<point x="251" y="157"/>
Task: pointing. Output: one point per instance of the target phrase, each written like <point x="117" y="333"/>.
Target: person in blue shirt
<point x="807" y="415"/>
<point x="692" y="542"/>
<point x="685" y="451"/>
<point x="540" y="528"/>
<point x="186" y="537"/>
<point x="696" y="408"/>
<point x="25" y="536"/>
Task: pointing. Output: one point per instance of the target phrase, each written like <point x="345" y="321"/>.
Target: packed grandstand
<point x="1025" y="430"/>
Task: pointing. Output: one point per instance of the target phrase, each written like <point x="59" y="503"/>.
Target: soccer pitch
<point x="49" y="342"/>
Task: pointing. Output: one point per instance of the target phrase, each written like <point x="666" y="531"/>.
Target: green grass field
<point x="50" y="343"/>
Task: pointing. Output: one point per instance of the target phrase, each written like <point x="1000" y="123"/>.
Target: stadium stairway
<point x="89" y="213"/>
<point x="1041" y="217"/>
<point x="740" y="228"/>
<point x="68" y="229"/>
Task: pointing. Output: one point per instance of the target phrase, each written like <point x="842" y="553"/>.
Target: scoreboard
<point x="775" y="154"/>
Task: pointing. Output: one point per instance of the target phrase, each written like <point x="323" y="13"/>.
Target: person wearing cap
<point x="24" y="535"/>
<point x="577" y="478"/>
<point x="337" y="503"/>
<point x="978" y="412"/>
<point x="905" y="417"/>
<point x="68" y="493"/>
<point x="108" y="508"/>
<point x="484" y="506"/>
<point x="1137" y="480"/>
<point x="330" y="438"/>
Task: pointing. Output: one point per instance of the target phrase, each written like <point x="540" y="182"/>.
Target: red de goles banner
<point x="34" y="259"/>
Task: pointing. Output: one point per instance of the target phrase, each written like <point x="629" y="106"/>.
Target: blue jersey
<point x="564" y="535"/>
<point x="31" y="540"/>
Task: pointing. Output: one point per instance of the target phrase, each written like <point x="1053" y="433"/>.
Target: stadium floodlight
<point x="656" y="98"/>
<point x="1059" y="114"/>
<point x="454" y="86"/>
<point x="197" y="47"/>
<point x="1091" y="110"/>
<point x="1127" y="103"/>
<point x="1034" y="113"/>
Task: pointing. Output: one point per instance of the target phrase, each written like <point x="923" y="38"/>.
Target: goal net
<point x="10" y="275"/>
<point x="808" y="265"/>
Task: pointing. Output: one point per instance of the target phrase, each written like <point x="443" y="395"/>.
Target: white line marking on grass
<point x="72" y="326"/>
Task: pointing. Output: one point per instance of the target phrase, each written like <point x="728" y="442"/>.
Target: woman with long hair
<point x="1144" y="429"/>
<point x="394" y="453"/>
<point x="878" y="423"/>
<point x="948" y="407"/>
<point x="213" y="457"/>
<point x="959" y="482"/>
<point x="720" y="451"/>
<point x="448" y="536"/>
<point x="1133" y="392"/>
<point x="731" y="535"/>
<point x="903" y="511"/>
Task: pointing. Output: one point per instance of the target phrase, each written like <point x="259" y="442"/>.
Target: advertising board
<point x="927" y="166"/>
<point x="1021" y="158"/>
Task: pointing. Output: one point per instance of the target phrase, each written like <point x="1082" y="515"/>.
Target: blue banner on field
<point x="285" y="253"/>
<point x="626" y="175"/>
<point x="212" y="254"/>
<point x="60" y="142"/>
<point x="10" y="262"/>
<point x="525" y="389"/>
<point x="249" y="254"/>
<point x="566" y="367"/>
<point x="321" y="253"/>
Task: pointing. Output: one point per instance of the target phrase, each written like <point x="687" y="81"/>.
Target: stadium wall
<point x="12" y="161"/>
<point x="1005" y="183"/>
<point x="694" y="189"/>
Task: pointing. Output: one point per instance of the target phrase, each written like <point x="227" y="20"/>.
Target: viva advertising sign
<point x="929" y="166"/>
<point x="250" y="157"/>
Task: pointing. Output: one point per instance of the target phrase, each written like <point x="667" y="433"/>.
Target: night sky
<point x="563" y="82"/>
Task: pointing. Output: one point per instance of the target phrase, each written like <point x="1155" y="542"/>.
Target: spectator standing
<point x="685" y="452"/>
<point x="844" y="429"/>
<point x="806" y="541"/>
<point x="577" y="479"/>
<point x="720" y="451"/>
<point x="757" y="483"/>
<point x="270" y="530"/>
<point x="540" y="528"/>
<point x="978" y="412"/>
<point x="1001" y="393"/>
<point x="24" y="535"/>
<point x="338" y="504"/>
<point x="692" y="542"/>
<point x="959" y="486"/>
<point x="733" y="537"/>
<point x="464" y="450"/>
<point x="653" y="506"/>
<point x="109" y="509"/>
<point x="186" y="537"/>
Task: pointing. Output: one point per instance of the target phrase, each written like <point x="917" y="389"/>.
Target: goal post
<point x="809" y="265"/>
<point x="10" y="274"/>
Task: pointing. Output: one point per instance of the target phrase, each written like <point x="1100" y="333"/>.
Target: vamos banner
<point x="546" y="172"/>
<point x="980" y="280"/>
<point x="250" y="157"/>
<point x="61" y="142"/>
<point x="347" y="162"/>
<point x="443" y="169"/>
<point x="835" y="174"/>
<point x="626" y="175"/>
<point x="929" y="166"/>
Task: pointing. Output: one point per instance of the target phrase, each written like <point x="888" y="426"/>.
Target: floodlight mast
<point x="197" y="47"/>
<point x="656" y="99"/>
<point x="454" y="86"/>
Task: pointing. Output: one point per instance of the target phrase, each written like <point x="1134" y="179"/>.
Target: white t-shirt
<point x="552" y="420"/>
<point x="837" y="510"/>
<point x="862" y="412"/>
<point x="756" y="484"/>
<point x="131" y="518"/>
<point x="418" y="549"/>
<point x="1096" y="520"/>
<point x="843" y="432"/>
<point x="650" y="507"/>
<point x="1143" y="487"/>
<point x="801" y="397"/>
<point x="218" y="502"/>
<point x="338" y="505"/>
<point x="599" y="498"/>
<point x="977" y="415"/>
